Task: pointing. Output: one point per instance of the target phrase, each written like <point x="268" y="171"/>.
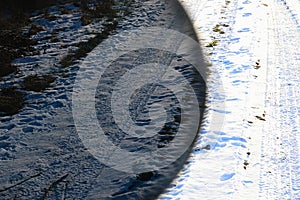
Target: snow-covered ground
<point x="254" y="147"/>
<point x="249" y="144"/>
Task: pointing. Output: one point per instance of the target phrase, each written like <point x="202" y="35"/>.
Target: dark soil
<point x="6" y="69"/>
<point x="11" y="101"/>
<point x="37" y="83"/>
<point x="13" y="45"/>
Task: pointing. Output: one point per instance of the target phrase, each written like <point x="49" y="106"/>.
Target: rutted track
<point x="255" y="153"/>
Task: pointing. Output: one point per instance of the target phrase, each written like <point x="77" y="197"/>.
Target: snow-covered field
<point x="249" y="144"/>
<point x="254" y="147"/>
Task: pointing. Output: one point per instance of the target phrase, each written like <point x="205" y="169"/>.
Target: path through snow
<point x="254" y="153"/>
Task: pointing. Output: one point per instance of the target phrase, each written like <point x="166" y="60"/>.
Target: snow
<point x="261" y="103"/>
<point x="249" y="144"/>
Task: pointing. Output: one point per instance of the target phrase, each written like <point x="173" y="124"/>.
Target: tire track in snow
<point x="285" y="106"/>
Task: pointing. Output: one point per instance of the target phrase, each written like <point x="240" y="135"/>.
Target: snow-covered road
<point x="250" y="148"/>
